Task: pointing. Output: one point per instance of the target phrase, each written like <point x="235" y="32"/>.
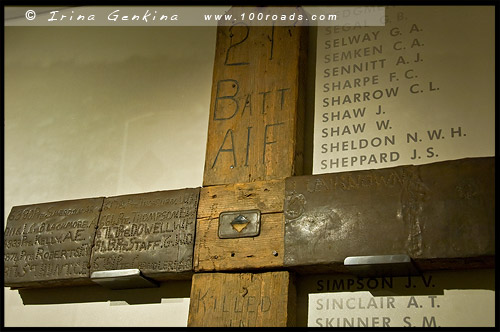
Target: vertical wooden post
<point x="242" y="299"/>
<point x="255" y="129"/>
<point x="255" y="135"/>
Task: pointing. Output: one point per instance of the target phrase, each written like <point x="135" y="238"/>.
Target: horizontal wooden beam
<point x="63" y="243"/>
<point x="50" y="244"/>
<point x="153" y="232"/>
<point x="442" y="215"/>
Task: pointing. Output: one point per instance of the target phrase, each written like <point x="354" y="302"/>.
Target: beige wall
<point x="103" y="111"/>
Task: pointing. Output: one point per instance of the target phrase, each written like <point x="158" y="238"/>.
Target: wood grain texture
<point x="263" y="251"/>
<point x="242" y="300"/>
<point x="267" y="196"/>
<point x="255" y="133"/>
<point x="257" y="104"/>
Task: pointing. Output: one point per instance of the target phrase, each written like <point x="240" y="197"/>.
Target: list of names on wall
<point x="429" y="300"/>
<point x="418" y="90"/>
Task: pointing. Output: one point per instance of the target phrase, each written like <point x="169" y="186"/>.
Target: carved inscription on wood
<point x="153" y="232"/>
<point x="439" y="214"/>
<point x="257" y="103"/>
<point x="242" y="300"/>
<point x="50" y="243"/>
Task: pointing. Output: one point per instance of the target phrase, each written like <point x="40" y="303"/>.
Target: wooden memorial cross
<point x="257" y="217"/>
<point x="255" y="141"/>
<point x="251" y="218"/>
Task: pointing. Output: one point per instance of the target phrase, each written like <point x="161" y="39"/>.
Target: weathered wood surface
<point x="255" y="136"/>
<point x="263" y="251"/>
<point x="49" y="244"/>
<point x="242" y="300"/>
<point x="153" y="232"/>
<point x="257" y="104"/>
<point x="441" y="215"/>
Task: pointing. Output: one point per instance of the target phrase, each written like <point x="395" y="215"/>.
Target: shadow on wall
<point x="309" y="111"/>
<point x="84" y="294"/>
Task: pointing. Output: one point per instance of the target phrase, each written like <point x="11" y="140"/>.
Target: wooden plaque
<point x="152" y="232"/>
<point x="49" y="244"/>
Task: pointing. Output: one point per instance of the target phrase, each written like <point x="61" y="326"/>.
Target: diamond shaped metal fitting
<point x="235" y="224"/>
<point x="239" y="223"/>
